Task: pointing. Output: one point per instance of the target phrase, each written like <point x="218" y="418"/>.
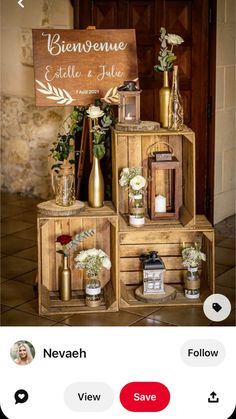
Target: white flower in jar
<point x="94" y="112"/>
<point x="92" y="252"/>
<point x="173" y="39"/>
<point x="138" y="182"/>
<point x="106" y="263"/>
<point x="81" y="256"/>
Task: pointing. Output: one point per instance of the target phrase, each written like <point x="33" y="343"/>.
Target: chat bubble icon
<point x="21" y="396"/>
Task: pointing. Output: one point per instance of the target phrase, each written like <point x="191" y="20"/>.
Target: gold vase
<point x="96" y="185"/>
<point x="65" y="281"/>
<point x="164" y="96"/>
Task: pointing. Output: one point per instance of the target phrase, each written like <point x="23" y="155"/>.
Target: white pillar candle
<point x="160" y="203"/>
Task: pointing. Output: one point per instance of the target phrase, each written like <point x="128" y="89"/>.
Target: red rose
<point x="64" y="239"/>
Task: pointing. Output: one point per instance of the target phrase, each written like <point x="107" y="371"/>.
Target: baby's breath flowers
<point x="192" y="256"/>
<point x="92" y="261"/>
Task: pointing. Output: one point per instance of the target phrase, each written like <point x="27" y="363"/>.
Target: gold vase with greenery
<point x="98" y="132"/>
<point x="166" y="58"/>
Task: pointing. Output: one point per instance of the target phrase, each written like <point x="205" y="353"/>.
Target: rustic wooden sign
<point x="74" y="67"/>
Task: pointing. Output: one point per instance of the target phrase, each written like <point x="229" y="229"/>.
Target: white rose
<point x="106" y="263"/>
<point x="138" y="182"/>
<point x="101" y="253"/>
<point x="94" y="112"/>
<point x="81" y="256"/>
<point x="173" y="39"/>
<point x="125" y="170"/>
<point x="92" y="252"/>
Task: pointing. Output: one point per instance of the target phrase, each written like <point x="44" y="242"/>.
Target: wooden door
<point x="190" y="19"/>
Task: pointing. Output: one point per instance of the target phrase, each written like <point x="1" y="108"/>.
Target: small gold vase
<point x="164" y="96"/>
<point x="65" y="281"/>
<point x="96" y="185"/>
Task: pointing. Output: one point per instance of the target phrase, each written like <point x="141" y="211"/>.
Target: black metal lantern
<point x="153" y="273"/>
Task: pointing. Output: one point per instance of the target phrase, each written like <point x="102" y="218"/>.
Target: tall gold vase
<point x="164" y="96"/>
<point x="65" y="281"/>
<point x="96" y="185"/>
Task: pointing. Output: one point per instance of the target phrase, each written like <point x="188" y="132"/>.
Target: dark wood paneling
<point x="189" y="19"/>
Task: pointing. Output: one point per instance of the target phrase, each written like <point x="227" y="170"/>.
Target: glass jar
<point x="63" y="185"/>
<point x="93" y="292"/>
<point x="192" y="283"/>
<point x="136" y="210"/>
<point x="176" y="114"/>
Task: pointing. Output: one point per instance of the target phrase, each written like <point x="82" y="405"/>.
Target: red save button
<point x="144" y="397"/>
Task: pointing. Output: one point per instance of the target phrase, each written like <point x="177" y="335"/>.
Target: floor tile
<point x="12" y="244"/>
<point x="102" y="319"/>
<point x="9" y="227"/>
<point x="29" y="233"/>
<point x="13" y="266"/>
<point x="227" y="279"/>
<point x="19" y="200"/>
<point x="28" y="278"/>
<point x="32" y="307"/>
<point x="181" y="316"/>
<point x="19" y="318"/>
<point x="15" y="293"/>
<point x="30" y="254"/>
<point x="225" y="256"/>
<point x="30" y="216"/>
<point x="139" y="311"/>
<point x="149" y="322"/>
<point x="11" y="211"/>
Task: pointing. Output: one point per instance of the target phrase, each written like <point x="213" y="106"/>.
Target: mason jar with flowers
<point x="92" y="261"/>
<point x="166" y="59"/>
<point x="132" y="179"/>
<point x="192" y="258"/>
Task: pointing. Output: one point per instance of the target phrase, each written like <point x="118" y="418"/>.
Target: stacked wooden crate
<point x="105" y="222"/>
<point x="130" y="149"/>
<point x="123" y="243"/>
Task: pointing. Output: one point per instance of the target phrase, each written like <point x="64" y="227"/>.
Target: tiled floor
<point x="19" y="268"/>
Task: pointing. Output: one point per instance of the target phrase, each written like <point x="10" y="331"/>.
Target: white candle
<point x="160" y="203"/>
<point x="128" y="117"/>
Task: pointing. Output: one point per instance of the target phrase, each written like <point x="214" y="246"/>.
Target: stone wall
<point x="27" y="135"/>
<point x="225" y="144"/>
<point x="27" y="131"/>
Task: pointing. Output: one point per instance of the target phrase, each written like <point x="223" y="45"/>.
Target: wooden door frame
<point x="209" y="144"/>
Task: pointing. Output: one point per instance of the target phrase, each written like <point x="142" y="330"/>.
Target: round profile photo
<point x="22" y="352"/>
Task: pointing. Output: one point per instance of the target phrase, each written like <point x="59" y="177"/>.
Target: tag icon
<point x="217" y="307"/>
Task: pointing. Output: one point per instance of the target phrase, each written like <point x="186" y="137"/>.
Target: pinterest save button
<point x="144" y="396"/>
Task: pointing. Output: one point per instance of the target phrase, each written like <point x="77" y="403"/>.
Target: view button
<point x="144" y="396"/>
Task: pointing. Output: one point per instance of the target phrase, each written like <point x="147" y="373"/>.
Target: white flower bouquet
<point x="166" y="56"/>
<point x="92" y="261"/>
<point x="192" y="256"/>
<point x="131" y="178"/>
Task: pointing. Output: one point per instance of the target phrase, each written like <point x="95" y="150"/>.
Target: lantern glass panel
<point x="130" y="108"/>
<point x="165" y="186"/>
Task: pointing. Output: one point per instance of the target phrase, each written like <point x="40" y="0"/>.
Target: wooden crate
<point x="130" y="149"/>
<point x="168" y="243"/>
<point x="105" y="222"/>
